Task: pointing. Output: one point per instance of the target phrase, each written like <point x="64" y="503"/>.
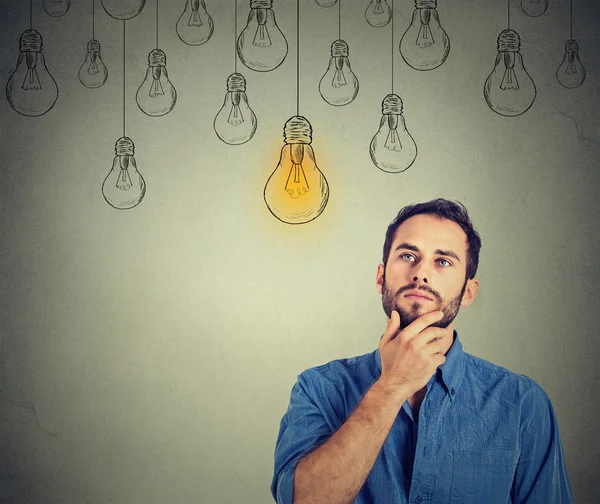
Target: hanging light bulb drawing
<point x="425" y="44"/>
<point x="261" y="46"/>
<point x="534" y="8"/>
<point x="339" y="85"/>
<point x="156" y="96"/>
<point x="571" y="73"/>
<point x="194" y="26"/>
<point x="123" y="9"/>
<point x="56" y="8"/>
<point x="297" y="191"/>
<point x="124" y="187"/>
<point x="326" y="3"/>
<point x="509" y="90"/>
<point x="378" y="13"/>
<point x="31" y="90"/>
<point x="93" y="73"/>
<point x="235" y="123"/>
<point x="392" y="149"/>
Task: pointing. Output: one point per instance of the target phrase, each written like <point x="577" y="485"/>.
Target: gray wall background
<point x="147" y="356"/>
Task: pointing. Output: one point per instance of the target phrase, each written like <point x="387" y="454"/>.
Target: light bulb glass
<point x="326" y="3"/>
<point x="261" y="46"/>
<point x="534" y="8"/>
<point x="93" y="73"/>
<point x="156" y="96"/>
<point x="509" y="90"/>
<point x="124" y="187"/>
<point x="123" y="9"/>
<point x="392" y="149"/>
<point x="56" y="7"/>
<point x="235" y="123"/>
<point x="339" y="85"/>
<point x="297" y="191"/>
<point x="31" y="90"/>
<point x="194" y="26"/>
<point x="571" y="73"/>
<point x="425" y="44"/>
<point x="378" y="13"/>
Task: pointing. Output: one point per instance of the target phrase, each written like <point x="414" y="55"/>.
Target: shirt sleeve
<point x="306" y="425"/>
<point x="541" y="474"/>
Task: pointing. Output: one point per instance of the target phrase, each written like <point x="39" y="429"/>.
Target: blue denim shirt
<point x="484" y="435"/>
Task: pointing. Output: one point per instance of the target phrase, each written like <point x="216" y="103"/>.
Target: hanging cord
<point x="571" y="37"/>
<point x="508" y="2"/>
<point x="235" y="37"/>
<point x="339" y="19"/>
<point x="30" y="14"/>
<point x="93" y="20"/>
<point x="123" y="77"/>
<point x="393" y="47"/>
<point x="297" y="57"/>
<point x="157" y="24"/>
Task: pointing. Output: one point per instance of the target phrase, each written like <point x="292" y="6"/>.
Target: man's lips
<point x="417" y="295"/>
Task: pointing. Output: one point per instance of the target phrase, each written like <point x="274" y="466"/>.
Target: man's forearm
<point x="335" y="472"/>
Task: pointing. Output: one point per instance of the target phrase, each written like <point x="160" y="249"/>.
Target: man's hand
<point x="409" y="359"/>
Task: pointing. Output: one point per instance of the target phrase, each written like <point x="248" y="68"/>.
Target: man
<point x="419" y="420"/>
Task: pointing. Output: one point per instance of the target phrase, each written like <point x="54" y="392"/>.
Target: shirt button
<point x="452" y="391"/>
<point x="419" y="499"/>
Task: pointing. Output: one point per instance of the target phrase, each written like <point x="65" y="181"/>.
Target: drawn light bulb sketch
<point x="123" y="9"/>
<point x="534" y="8"/>
<point x="124" y="187"/>
<point x="195" y="26"/>
<point x="339" y="85"/>
<point x="235" y="122"/>
<point x="571" y="72"/>
<point x="326" y="3"/>
<point x="93" y="73"/>
<point x="56" y="8"/>
<point x="378" y="13"/>
<point x="509" y="90"/>
<point x="262" y="46"/>
<point x="392" y="149"/>
<point x="31" y="90"/>
<point x="297" y="191"/>
<point x="156" y="96"/>
<point x="425" y="44"/>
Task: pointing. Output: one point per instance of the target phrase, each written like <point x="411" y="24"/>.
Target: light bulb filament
<point x="235" y="116"/>
<point x="339" y="79"/>
<point x="425" y="37"/>
<point x="392" y="141"/>
<point x="156" y="88"/>
<point x="93" y="64"/>
<point x="31" y="80"/>
<point x="124" y="181"/>
<point x="509" y="79"/>
<point x="262" y="37"/>
<point x="195" y="19"/>
<point x="571" y="68"/>
<point x="378" y="9"/>
<point x="296" y="184"/>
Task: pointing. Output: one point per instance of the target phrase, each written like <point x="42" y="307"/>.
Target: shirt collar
<point x="451" y="371"/>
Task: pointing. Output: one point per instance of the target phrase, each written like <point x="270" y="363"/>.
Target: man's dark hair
<point x="442" y="209"/>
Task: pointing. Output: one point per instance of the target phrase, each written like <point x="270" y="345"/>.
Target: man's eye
<point x="446" y="261"/>
<point x="402" y="256"/>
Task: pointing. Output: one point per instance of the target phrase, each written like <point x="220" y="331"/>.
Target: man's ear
<point x="379" y="278"/>
<point x="470" y="292"/>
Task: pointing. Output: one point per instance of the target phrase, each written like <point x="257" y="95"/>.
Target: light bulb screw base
<point x="261" y="4"/>
<point x="571" y="46"/>
<point x="425" y="4"/>
<point x="339" y="48"/>
<point x="157" y="57"/>
<point x="509" y="40"/>
<point x="392" y="104"/>
<point x="30" y="40"/>
<point x="93" y="46"/>
<point x="124" y="147"/>
<point x="236" y="82"/>
<point x="297" y="130"/>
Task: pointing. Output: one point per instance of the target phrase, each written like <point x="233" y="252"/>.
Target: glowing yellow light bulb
<point x="297" y="191"/>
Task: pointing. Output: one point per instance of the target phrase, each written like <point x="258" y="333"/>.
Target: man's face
<point x="428" y="256"/>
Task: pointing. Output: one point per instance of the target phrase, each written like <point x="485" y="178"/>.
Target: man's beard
<point x="450" y="308"/>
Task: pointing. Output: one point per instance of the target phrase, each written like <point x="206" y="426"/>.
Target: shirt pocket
<point x="482" y="476"/>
